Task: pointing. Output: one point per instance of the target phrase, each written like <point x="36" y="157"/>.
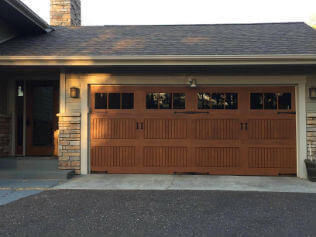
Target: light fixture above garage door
<point x="192" y="83"/>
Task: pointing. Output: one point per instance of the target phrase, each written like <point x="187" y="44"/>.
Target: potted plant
<point x="311" y="169"/>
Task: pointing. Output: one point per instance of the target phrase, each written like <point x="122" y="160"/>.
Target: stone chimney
<point x="65" y="12"/>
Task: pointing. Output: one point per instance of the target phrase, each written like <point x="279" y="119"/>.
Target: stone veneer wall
<point x="65" y="12"/>
<point x="311" y="134"/>
<point x="69" y="142"/>
<point x="5" y="137"/>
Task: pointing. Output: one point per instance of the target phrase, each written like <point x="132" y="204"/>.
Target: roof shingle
<point x="219" y="39"/>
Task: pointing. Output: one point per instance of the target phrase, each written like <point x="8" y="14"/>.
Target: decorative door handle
<point x="246" y="126"/>
<point x="141" y="126"/>
<point x="136" y="125"/>
<point x="241" y="126"/>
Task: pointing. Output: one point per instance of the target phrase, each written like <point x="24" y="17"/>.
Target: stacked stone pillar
<point x="311" y="135"/>
<point x="69" y="142"/>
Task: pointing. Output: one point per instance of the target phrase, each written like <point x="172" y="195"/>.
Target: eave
<point x="185" y="60"/>
<point x="38" y="23"/>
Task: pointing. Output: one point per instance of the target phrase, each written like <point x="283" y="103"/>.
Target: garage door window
<point x="217" y="101"/>
<point x="165" y="101"/>
<point x="270" y="101"/>
<point x="114" y="101"/>
<point x="284" y="101"/>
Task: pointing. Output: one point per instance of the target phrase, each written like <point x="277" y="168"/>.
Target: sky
<point x="158" y="12"/>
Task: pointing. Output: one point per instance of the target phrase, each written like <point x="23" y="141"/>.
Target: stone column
<point x="69" y="155"/>
<point x="311" y="134"/>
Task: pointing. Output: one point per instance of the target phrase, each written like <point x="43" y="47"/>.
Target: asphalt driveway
<point x="160" y="213"/>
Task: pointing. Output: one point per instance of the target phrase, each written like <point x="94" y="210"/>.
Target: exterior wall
<point x="65" y="13"/>
<point x="82" y="81"/>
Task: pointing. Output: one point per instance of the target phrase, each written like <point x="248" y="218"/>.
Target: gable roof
<point x="143" y="40"/>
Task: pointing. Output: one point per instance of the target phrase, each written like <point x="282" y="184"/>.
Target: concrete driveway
<point x="189" y="182"/>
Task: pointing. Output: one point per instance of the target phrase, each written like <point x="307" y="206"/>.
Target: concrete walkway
<point x="189" y="182"/>
<point x="15" y="189"/>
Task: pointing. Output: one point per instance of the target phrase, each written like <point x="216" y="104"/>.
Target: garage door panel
<point x="114" y="128"/>
<point x="218" y="157"/>
<point x="216" y="129"/>
<point x="165" y="129"/>
<point x="271" y="157"/>
<point x="165" y="157"/>
<point x="114" y="142"/>
<point x="271" y="129"/>
<point x="113" y="156"/>
<point x="229" y="130"/>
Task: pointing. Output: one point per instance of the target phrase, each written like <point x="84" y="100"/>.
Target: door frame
<point x="27" y="84"/>
<point x="299" y="81"/>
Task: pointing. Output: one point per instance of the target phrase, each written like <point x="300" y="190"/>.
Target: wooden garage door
<point x="216" y="130"/>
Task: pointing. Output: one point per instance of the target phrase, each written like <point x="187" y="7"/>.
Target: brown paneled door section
<point x="215" y="130"/>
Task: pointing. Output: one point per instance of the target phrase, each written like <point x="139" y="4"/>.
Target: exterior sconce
<point x="192" y="83"/>
<point x="74" y="92"/>
<point x="312" y="93"/>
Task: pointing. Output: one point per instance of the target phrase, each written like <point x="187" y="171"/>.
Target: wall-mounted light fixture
<point x="74" y="92"/>
<point x="192" y="83"/>
<point x="312" y="92"/>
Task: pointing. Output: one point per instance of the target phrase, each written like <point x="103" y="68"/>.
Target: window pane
<point x="256" y="101"/>
<point x="152" y="100"/>
<point x="285" y="101"/>
<point x="127" y="101"/>
<point x="178" y="100"/>
<point x="42" y="113"/>
<point x="100" y="101"/>
<point x="114" y="101"/>
<point x="204" y="100"/>
<point x="218" y="101"/>
<point x="270" y="101"/>
<point x="231" y="101"/>
<point x="165" y="101"/>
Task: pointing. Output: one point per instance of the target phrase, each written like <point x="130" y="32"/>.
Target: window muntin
<point x="227" y="101"/>
<point x="270" y="101"/>
<point x="165" y="100"/>
<point x="114" y="101"/>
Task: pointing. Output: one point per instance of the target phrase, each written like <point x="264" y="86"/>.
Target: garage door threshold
<point x="189" y="182"/>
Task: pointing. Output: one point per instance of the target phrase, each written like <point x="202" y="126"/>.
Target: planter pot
<point x="311" y="169"/>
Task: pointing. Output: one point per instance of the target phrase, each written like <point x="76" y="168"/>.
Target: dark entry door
<point x="41" y="122"/>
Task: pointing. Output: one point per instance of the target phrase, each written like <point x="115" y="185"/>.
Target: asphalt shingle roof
<point x="219" y="39"/>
